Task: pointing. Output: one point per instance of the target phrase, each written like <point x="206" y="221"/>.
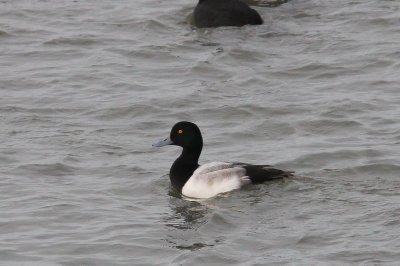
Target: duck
<point x="218" y="13"/>
<point x="211" y="179"/>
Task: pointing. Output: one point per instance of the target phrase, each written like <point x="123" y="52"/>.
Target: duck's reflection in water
<point x="185" y="220"/>
<point x="186" y="214"/>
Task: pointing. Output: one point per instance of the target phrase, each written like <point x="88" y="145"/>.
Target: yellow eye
<point x="180" y="131"/>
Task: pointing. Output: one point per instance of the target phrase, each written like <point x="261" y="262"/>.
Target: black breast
<point x="180" y="173"/>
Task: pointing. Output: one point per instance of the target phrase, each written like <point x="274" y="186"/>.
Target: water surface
<point x="87" y="86"/>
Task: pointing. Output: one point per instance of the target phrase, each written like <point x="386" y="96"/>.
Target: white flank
<point x="213" y="178"/>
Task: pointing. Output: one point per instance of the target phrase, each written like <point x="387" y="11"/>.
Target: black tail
<point x="263" y="173"/>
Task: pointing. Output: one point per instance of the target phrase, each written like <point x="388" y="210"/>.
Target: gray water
<point x="87" y="86"/>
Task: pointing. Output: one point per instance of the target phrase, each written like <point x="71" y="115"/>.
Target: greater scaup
<point x="217" y="13"/>
<point x="210" y="179"/>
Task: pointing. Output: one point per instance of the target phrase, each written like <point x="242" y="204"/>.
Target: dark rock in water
<point x="217" y="13"/>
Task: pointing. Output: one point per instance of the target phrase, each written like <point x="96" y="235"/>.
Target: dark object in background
<point x="217" y="13"/>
